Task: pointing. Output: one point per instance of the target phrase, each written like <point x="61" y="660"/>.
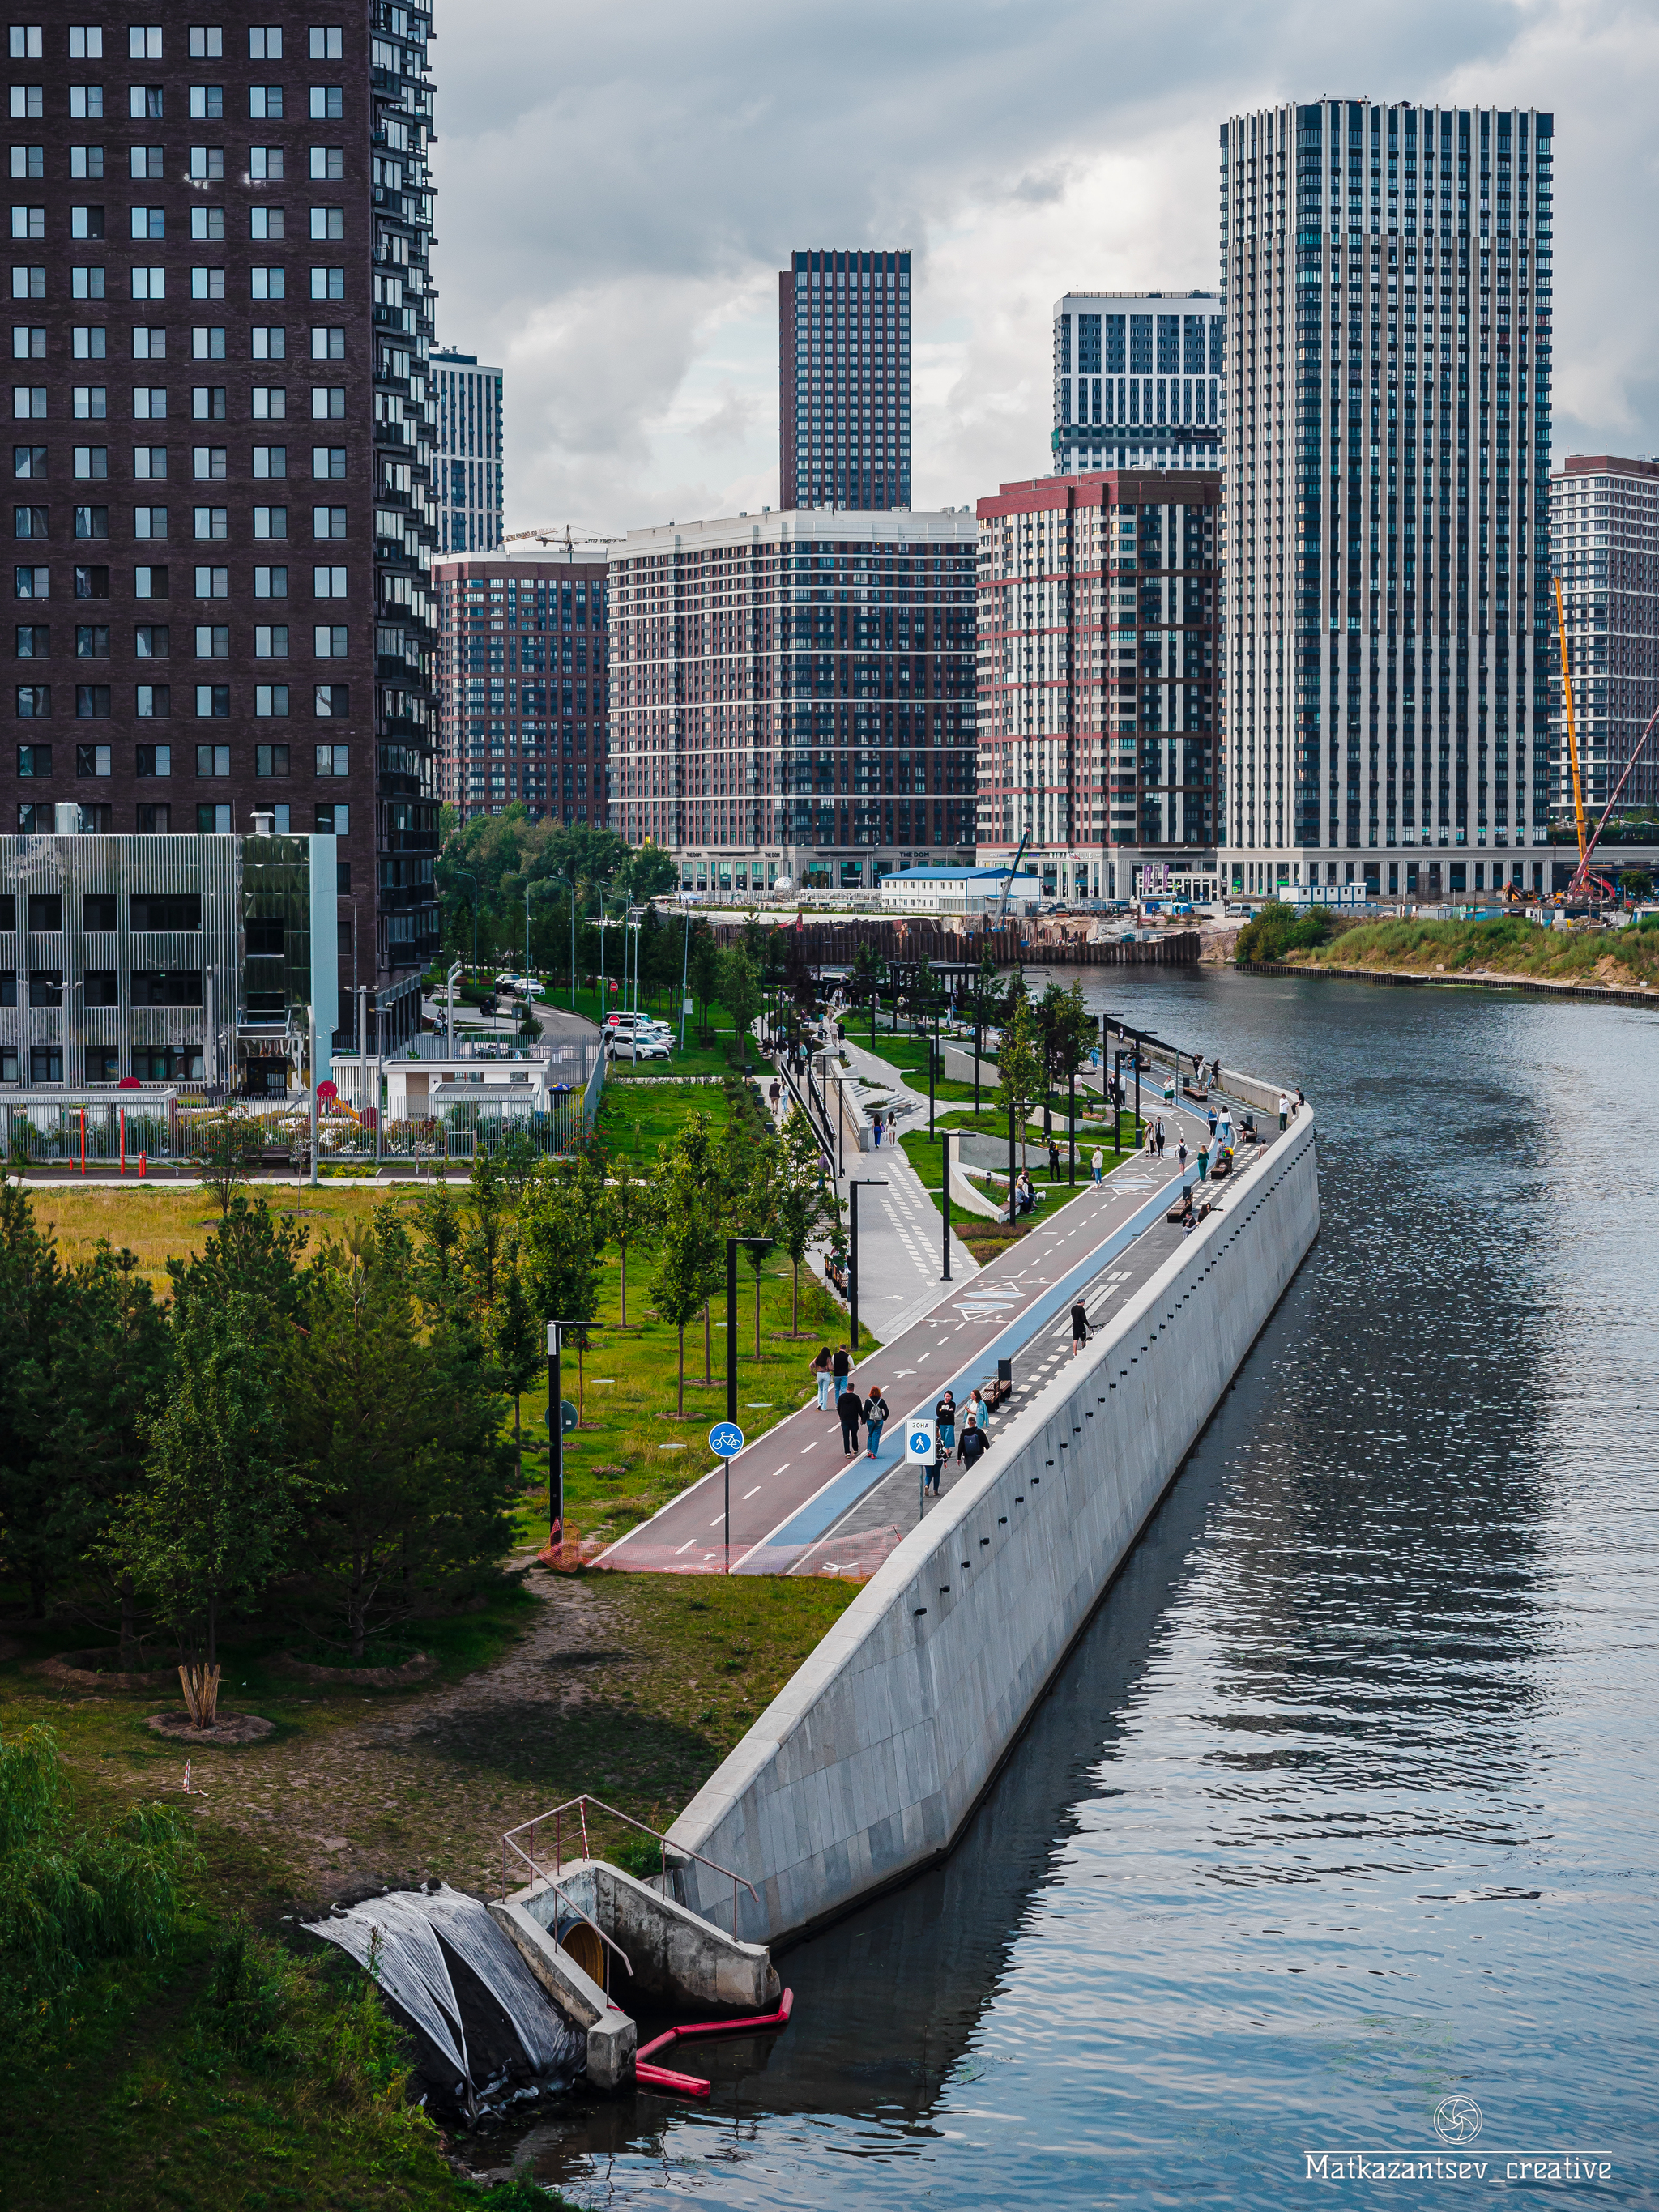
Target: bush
<point x="276" y="2013"/>
<point x="1279" y="929"/>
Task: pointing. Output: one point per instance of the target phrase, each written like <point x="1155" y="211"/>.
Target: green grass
<point x="1507" y="944"/>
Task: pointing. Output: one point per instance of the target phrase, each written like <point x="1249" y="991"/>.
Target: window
<point x="207" y="164"/>
<point x="328" y="522"/>
<point x="149" y="583"/>
<point x="328" y="344"/>
<point x="149" y="461"/>
<point x="29" y="521"/>
<point x="270" y="642"/>
<point x="100" y="985"/>
<point x="152" y="642"/>
<point x="150" y="402"/>
<point x="33" y="641"/>
<point x="29" y="583"/>
<point x="332" y="701"/>
<point x="28" y="460"/>
<point x="88" y="283"/>
<point x="327" y="162"/>
<point x="31" y="162"/>
<point x="87" y="102"/>
<point x="269" y="402"/>
<point x="267" y="284"/>
<point x="34" y="761"/>
<point x="144" y="42"/>
<point x="327" y="45"/>
<point x="207" y="103"/>
<point x="92" y="460"/>
<point x="264" y="102"/>
<point x="270" y="343"/>
<point x="209" y="461"/>
<point x="207" y="42"/>
<point x="207" y="341"/>
<point x="91" y="403"/>
<point x="91" y="583"/>
<point x="264" y="43"/>
<point x="89" y="161"/>
<point x="100" y="909"/>
<point x="213" y="821"/>
<point x="333" y="818"/>
<point x="87" y="341"/>
<point x="93" y="760"/>
<point x="327" y="222"/>
<point x="265" y="162"/>
<point x="150" y="521"/>
<point x="327" y="283"/>
<point x="152" y="702"/>
<point x="148" y="344"/>
<point x="29" y="99"/>
<point x="92" y="522"/>
<point x="270" y="522"/>
<point x="212" y="641"/>
<point x="28" y="341"/>
<point x="208" y="284"/>
<point x="271" y="702"/>
<point x="270" y="460"/>
<point x="213" y="583"/>
<point x="207" y="403"/>
<point x="92" y="641"/>
<point x="271" y="760"/>
<point x="328" y="583"/>
<point x="207" y="222"/>
<point x="211" y="522"/>
<point x="333" y="760"/>
<point x="266" y="223"/>
<point x="153" y="821"/>
<point x="167" y="987"/>
<point x="146" y="222"/>
<point x="213" y="760"/>
<point x="330" y="641"/>
<point x="47" y="989"/>
<point x="92" y="702"/>
<point x="86" y="42"/>
<point x="154" y="761"/>
<point x="328" y="461"/>
<point x="147" y="284"/>
<point x="213" y="703"/>
<point x="327" y="103"/>
<point x="29" y="283"/>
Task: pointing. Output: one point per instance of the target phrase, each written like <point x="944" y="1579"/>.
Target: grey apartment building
<point x="469" y="472"/>
<point x="1605" y="529"/>
<point x="1138" y="379"/>
<point x="1388" y="639"/>
<point x="222" y="515"/>
<point x="844" y="379"/>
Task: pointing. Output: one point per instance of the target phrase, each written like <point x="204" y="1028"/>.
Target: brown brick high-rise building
<point x="221" y="445"/>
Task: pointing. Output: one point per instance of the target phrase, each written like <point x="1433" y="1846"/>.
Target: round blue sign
<point x="726" y="1437"/>
<point x="921" y="1444"/>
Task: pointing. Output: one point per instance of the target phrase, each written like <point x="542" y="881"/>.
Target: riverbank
<point x="1505" y="951"/>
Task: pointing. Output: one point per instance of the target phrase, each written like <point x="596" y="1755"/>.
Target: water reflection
<point x="1344" y="1801"/>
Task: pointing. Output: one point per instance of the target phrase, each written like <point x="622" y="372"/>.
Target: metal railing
<point x="578" y="1805"/>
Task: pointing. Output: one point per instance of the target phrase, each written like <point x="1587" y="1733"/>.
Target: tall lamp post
<point x="473" y="880"/>
<point x="731" y="1244"/>
<point x="855" y="1185"/>
<point x="555" y="1433"/>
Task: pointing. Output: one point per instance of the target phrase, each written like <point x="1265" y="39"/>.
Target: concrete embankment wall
<point x="865" y="1766"/>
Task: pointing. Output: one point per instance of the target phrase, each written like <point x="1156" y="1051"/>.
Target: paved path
<point x="795" y="1486"/>
<point x="901" y="1230"/>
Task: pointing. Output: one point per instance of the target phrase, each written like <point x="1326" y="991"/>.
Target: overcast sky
<point x="619" y="184"/>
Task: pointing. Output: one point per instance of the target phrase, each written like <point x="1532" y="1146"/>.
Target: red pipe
<point x="690" y="2085"/>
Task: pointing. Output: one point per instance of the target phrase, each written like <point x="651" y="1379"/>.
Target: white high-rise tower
<point x="1388" y="637"/>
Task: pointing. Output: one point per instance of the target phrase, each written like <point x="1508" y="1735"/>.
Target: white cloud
<point x="619" y="187"/>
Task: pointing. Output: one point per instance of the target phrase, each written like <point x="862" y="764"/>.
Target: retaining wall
<point x="867" y="1764"/>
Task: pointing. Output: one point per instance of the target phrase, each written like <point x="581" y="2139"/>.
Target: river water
<point x="1344" y="1806"/>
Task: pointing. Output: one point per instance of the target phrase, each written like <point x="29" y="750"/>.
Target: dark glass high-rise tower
<point x="844" y="377"/>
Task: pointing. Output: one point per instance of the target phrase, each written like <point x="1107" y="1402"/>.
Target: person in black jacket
<point x="850" y="1406"/>
<point x="974" y="1443"/>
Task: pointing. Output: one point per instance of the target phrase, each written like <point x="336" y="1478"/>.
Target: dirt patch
<point x="83" y="1670"/>
<point x="359" y="1678"/>
<point x="234" y="1728"/>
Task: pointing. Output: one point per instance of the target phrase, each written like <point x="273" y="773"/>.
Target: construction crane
<point x="1572" y="740"/>
<point x="1002" y="904"/>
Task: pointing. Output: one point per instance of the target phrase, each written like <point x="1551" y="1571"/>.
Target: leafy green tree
<point x="230" y="1141"/>
<point x="705" y="975"/>
<point x="634" y="1212"/>
<point x="34" y="1304"/>
<point x="519" y="1342"/>
<point x="1064" y="1031"/>
<point x="739" y="993"/>
<point x="650" y="871"/>
<point x="443" y="1280"/>
<point x="804" y="1204"/>
<point x="208" y="1527"/>
<point x="486" y="1241"/>
<point x="252" y="1253"/>
<point x="692" y="1250"/>
<point x="561" y="1235"/>
<point x="868" y="972"/>
<point x="395" y="1433"/>
<point x="1019" y="1075"/>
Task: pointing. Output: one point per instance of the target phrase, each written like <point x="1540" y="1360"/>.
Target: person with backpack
<point x="975" y="1443"/>
<point x="875" y="1416"/>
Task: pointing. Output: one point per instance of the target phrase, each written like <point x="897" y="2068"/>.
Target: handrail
<point x="821" y="1142"/>
<point x="579" y="1805"/>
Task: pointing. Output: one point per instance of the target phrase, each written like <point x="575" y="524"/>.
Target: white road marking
<point x="748" y="1494"/>
<point x="686" y="1546"/>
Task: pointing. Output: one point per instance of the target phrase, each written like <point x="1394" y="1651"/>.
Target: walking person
<point x="1203" y="1163"/>
<point x="975" y="1442"/>
<point x="875" y="1416"/>
<point x="1214" y="1118"/>
<point x="1159" y="1133"/>
<point x="1053" y="1161"/>
<point x="977" y="1414"/>
<point x="1080" y="1327"/>
<point x="1098" y="1163"/>
<point x="1181" y="1155"/>
<point x="1284" y="1110"/>
<point x="935" y="1468"/>
<point x="841" y="1367"/>
<point x="850" y="1407"/>
<point x="822" y="1375"/>
<point x="945" y="1419"/>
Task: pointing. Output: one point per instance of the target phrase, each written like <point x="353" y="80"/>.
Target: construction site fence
<point x="836" y="945"/>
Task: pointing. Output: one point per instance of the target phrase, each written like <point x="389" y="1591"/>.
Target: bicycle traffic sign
<point x="726" y="1438"/>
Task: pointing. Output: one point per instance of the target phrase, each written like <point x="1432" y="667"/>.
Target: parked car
<point x="642" y="1044"/>
<point x="625" y="1021"/>
<point x="525" y="986"/>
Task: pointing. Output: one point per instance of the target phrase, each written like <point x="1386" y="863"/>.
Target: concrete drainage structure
<point x="867" y="1764"/>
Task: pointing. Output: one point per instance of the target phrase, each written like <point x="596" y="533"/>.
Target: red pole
<point x="121" y="1124"/>
<point x="83" y="1140"/>
<point x="141" y="1166"/>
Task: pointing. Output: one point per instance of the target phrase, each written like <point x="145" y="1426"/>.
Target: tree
<point x="633" y="1212"/>
<point x="1066" y="1030"/>
<point x="868" y="971"/>
<point x="650" y="870"/>
<point x="1019" y="1077"/>
<point x="484" y="1245"/>
<point x="396" y="1436"/>
<point x="253" y="1254"/>
<point x="443" y="1279"/>
<point x="691" y="1248"/>
<point x="208" y="1528"/>
<point x="739" y="992"/>
<point x="705" y="975"/>
<point x="33" y="1316"/>
<point x="517" y="1340"/>
<point x="231" y="1143"/>
<point x="561" y="1236"/>
<point x="803" y="1203"/>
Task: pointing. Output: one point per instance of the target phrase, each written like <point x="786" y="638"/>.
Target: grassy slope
<point x="1622" y="958"/>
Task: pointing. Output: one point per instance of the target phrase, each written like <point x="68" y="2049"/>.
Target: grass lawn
<point x="158" y="1220"/>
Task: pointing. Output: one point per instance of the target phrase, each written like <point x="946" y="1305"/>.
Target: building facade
<point x="844" y="380"/>
<point x="1387" y="632"/>
<point x="1097" y="682"/>
<point x="522" y="682"/>
<point x="468" y="470"/>
<point x="138" y="959"/>
<point x="222" y="439"/>
<point x="1138" y="380"/>
<point x="1605" y="531"/>
<point x="792" y="694"/>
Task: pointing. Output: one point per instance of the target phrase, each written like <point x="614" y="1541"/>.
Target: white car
<point x="626" y="1023"/>
<point x="641" y="1044"/>
<point x="526" y="985"/>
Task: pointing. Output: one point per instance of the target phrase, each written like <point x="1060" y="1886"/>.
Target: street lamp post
<point x="731" y="1244"/>
<point x="473" y="880"/>
<point x="555" y="1434"/>
<point x="946" y="1275"/>
<point x="856" y="1184"/>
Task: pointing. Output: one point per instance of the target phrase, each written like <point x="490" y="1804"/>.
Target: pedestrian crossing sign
<point x="918" y="1439"/>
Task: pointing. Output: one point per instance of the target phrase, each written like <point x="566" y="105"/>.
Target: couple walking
<point x="976" y="1424"/>
<point x="832" y="1372"/>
